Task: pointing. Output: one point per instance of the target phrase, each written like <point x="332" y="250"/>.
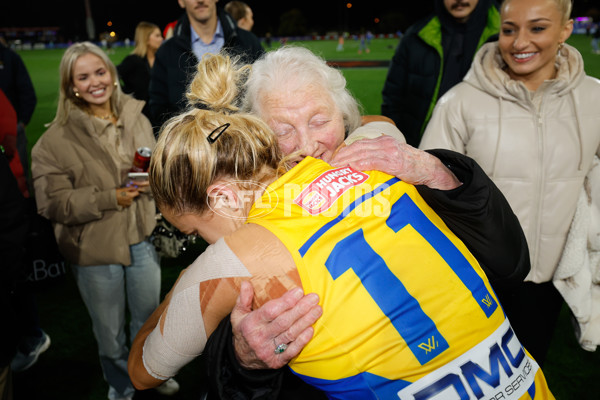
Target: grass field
<point x="70" y="370"/>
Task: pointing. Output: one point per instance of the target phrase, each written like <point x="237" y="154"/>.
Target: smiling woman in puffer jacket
<point x="102" y="226"/>
<point x="528" y="114"/>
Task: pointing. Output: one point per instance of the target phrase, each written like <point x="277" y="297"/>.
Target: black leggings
<point x="533" y="310"/>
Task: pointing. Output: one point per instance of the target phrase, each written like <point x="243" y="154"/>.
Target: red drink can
<point x="141" y="160"/>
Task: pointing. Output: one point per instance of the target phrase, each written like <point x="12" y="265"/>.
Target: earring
<point x="560" y="45"/>
<point x="76" y="93"/>
<point x="116" y="83"/>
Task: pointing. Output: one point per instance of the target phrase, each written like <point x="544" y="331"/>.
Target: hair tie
<point x="202" y="106"/>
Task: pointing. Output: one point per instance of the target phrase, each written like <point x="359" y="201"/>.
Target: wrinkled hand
<point x="398" y="159"/>
<point x="126" y="195"/>
<point x="288" y="320"/>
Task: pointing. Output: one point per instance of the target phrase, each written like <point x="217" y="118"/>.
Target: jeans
<point x="104" y="289"/>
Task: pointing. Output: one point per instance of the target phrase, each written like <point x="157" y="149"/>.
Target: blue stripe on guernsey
<point x="416" y="328"/>
<point x="364" y="386"/>
<point x="344" y="214"/>
<point x="531" y="390"/>
<point x="405" y="212"/>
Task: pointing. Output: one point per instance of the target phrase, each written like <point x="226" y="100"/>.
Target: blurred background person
<point x="528" y="114"/>
<point x="340" y="44"/>
<point x="13" y="220"/>
<point x="8" y="141"/>
<point x="32" y="340"/>
<point x="102" y="225"/>
<point x="433" y="55"/>
<point x="13" y="234"/>
<point x="201" y="29"/>
<point x="596" y="39"/>
<point x="169" y="28"/>
<point x="241" y="13"/>
<point x="134" y="70"/>
<point x="17" y="86"/>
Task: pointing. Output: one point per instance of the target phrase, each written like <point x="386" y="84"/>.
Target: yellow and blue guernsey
<point x="408" y="312"/>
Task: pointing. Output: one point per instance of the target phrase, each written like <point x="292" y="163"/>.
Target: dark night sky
<point x="321" y="16"/>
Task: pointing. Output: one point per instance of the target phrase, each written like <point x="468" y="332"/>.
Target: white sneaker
<point x="169" y="388"/>
<point x="23" y="361"/>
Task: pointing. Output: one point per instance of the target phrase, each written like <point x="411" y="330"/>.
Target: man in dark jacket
<point x="203" y="28"/>
<point x="16" y="84"/>
<point x="14" y="225"/>
<point x="434" y="55"/>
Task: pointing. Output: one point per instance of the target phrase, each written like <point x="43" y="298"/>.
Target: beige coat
<point x="75" y="179"/>
<point x="537" y="147"/>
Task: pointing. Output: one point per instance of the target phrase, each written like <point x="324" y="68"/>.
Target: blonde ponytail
<point x="185" y="163"/>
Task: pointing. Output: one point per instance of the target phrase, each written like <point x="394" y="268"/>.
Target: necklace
<point x="105" y="117"/>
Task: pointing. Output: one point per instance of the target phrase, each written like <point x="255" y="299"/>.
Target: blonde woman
<point x="527" y="113"/>
<point x="242" y="13"/>
<point x="80" y="167"/>
<point x="134" y="70"/>
<point x="389" y="326"/>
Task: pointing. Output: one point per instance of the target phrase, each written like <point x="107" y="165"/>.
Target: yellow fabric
<point x="402" y="296"/>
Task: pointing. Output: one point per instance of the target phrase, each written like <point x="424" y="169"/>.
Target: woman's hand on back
<point x="386" y="154"/>
<point x="287" y="320"/>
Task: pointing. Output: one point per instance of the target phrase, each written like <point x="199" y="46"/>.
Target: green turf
<point x="70" y="368"/>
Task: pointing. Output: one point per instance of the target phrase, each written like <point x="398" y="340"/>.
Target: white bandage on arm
<point x="183" y="334"/>
<point x="373" y="130"/>
<point x="160" y="360"/>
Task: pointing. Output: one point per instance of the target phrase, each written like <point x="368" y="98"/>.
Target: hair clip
<point x="214" y="135"/>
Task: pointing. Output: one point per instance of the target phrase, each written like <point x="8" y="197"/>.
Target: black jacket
<point x="134" y="71"/>
<point x="174" y="66"/>
<point x="419" y="73"/>
<point x="16" y="84"/>
<point x="14" y="225"/>
<point x="477" y="212"/>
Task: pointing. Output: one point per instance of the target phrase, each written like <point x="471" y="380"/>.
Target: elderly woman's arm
<point x="387" y="154"/>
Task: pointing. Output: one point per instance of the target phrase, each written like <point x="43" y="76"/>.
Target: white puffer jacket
<point x="577" y="277"/>
<point x="537" y="147"/>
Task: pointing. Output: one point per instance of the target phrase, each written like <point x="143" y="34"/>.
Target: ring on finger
<point x="281" y="348"/>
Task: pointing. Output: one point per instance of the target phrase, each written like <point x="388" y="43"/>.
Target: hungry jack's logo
<point x="322" y="192"/>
